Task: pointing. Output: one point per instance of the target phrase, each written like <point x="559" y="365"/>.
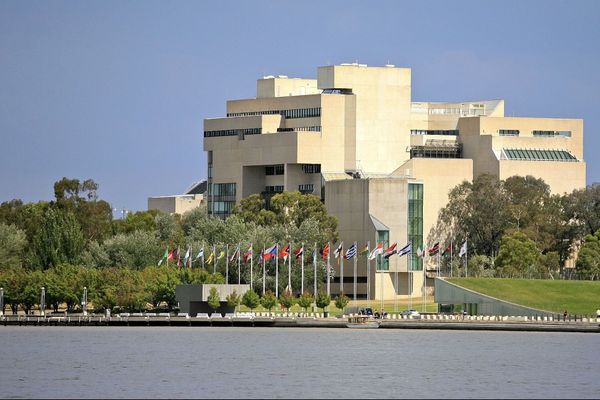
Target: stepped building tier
<point x="382" y="163"/>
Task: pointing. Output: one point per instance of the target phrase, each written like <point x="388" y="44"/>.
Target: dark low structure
<point x="193" y="299"/>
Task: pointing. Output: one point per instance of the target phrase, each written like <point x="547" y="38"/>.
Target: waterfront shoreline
<point x="522" y="324"/>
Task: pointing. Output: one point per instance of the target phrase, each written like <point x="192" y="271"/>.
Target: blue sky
<point x="117" y="91"/>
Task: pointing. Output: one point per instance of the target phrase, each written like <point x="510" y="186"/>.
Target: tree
<point x="305" y="300"/>
<point x="341" y="302"/>
<point x="137" y="250"/>
<point x="137" y="221"/>
<point x="160" y="284"/>
<point x="518" y="255"/>
<point x="214" y="299"/>
<point x="478" y="266"/>
<point x="233" y="300"/>
<point x="268" y="300"/>
<point x="250" y="299"/>
<point x="12" y="246"/>
<point x="286" y="300"/>
<point x="59" y="239"/>
<point x="251" y="209"/>
<point x="323" y="300"/>
<point x="588" y="259"/>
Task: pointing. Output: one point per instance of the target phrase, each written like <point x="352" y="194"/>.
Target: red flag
<point x="325" y="251"/>
<point x="171" y="255"/>
<point x="435" y="249"/>
<point x="285" y="252"/>
<point x="299" y="252"/>
<point x="448" y="249"/>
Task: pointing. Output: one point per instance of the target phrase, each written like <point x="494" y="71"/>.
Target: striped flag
<point x="339" y="250"/>
<point x="351" y="252"/>
<point x="390" y="251"/>
<point x="376" y="251"/>
<point x="248" y="254"/>
<point x="200" y="254"/>
<point x="364" y="251"/>
<point x="299" y="252"/>
<point x="435" y="249"/>
<point x="405" y="250"/>
<point x="235" y="254"/>
<point x="325" y="251"/>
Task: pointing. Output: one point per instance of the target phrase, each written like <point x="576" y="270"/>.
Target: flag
<point x="285" y="252"/>
<point x="405" y="250"/>
<point x="351" y="252"/>
<point x="186" y="257"/>
<point x="270" y="252"/>
<point x="200" y="254"/>
<point x="299" y="252"/>
<point x="376" y="251"/>
<point x="420" y="253"/>
<point x="325" y="251"/>
<point x="435" y="249"/>
<point x="178" y="256"/>
<point x="390" y="251"/>
<point x="210" y="258"/>
<point x="448" y="249"/>
<point x="339" y="250"/>
<point x="248" y="254"/>
<point x="164" y="257"/>
<point x="221" y="255"/>
<point x="364" y="251"/>
<point x="171" y="255"/>
<point x="463" y="249"/>
<point x="235" y="254"/>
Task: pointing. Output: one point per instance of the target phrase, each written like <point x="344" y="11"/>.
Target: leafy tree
<point x="251" y="300"/>
<point x="214" y="299"/>
<point x="160" y="284"/>
<point x="323" y="300"/>
<point x="479" y="266"/>
<point x="549" y="264"/>
<point x="59" y="239"/>
<point x="168" y="228"/>
<point x="268" y="300"/>
<point x="135" y="250"/>
<point x="95" y="255"/>
<point x="12" y="246"/>
<point x="31" y="290"/>
<point x="233" y="300"/>
<point x="341" y="301"/>
<point x="518" y="254"/>
<point x="137" y="221"/>
<point x="588" y="259"/>
<point x="286" y="300"/>
<point x="305" y="300"/>
<point x="251" y="209"/>
<point x="583" y="206"/>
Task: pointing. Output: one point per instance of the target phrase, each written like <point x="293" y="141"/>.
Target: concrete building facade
<point x="382" y="163"/>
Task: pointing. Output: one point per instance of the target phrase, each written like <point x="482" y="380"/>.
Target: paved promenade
<point x="314" y="320"/>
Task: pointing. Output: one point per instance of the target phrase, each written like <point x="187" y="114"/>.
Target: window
<point x="551" y="133"/>
<point x="274" y="189"/>
<point x="306" y="188"/>
<point x="288" y="114"/>
<point x="311" y="168"/>
<point x="221" y="199"/>
<point x="451" y="132"/>
<point x="538" y="155"/>
<point x="415" y="224"/>
<point x="233" y="132"/>
<point x="508" y="132"/>
<point x="274" y="169"/>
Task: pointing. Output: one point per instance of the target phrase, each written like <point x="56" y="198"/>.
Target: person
<point x="598" y="313"/>
<point x="565" y="315"/>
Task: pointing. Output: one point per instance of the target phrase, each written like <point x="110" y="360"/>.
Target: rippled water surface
<point x="213" y="362"/>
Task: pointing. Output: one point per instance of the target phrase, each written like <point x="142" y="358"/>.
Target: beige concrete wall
<point x="178" y="204"/>
<point x="269" y="87"/>
<point x="562" y="177"/>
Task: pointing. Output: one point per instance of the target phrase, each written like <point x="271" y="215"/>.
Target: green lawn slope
<point x="577" y="297"/>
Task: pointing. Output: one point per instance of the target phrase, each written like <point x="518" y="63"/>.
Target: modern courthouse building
<point x="382" y="163"/>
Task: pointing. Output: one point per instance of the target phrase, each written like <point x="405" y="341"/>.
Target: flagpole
<point x="328" y="283"/>
<point x="380" y="279"/>
<point x="341" y="254"/>
<point x="355" y="281"/>
<point x="227" y="264"/>
<point x="302" y="270"/>
<point x="396" y="290"/>
<point x="290" y="268"/>
<point x="451" y="249"/>
<point x="409" y="278"/>
<point x="239" y="264"/>
<point x="214" y="258"/>
<point x="251" y="261"/>
<point x="368" y="274"/>
<point x="264" y="269"/>
<point x="202" y="255"/>
<point x="277" y="270"/>
<point x="315" y="272"/>
<point x="424" y="282"/>
<point x="466" y="259"/>
<point x="191" y="255"/>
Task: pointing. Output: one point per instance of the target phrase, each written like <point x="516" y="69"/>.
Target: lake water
<point x="226" y="362"/>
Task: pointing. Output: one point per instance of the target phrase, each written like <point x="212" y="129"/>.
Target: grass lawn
<point x="578" y="297"/>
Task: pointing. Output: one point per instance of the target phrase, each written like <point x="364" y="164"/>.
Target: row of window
<point x="221" y="207"/>
<point x="508" y="132"/>
<point x="274" y="169"/>
<point x="233" y="132"/>
<point x="311" y="168"/>
<point x="551" y="133"/>
<point x="288" y="114"/>
<point x="306" y="188"/>
<point x="221" y="189"/>
<point x="538" y="155"/>
<point x="301" y="129"/>
<point x="450" y="132"/>
<point x="274" y="189"/>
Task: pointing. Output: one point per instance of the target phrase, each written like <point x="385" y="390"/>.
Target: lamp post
<point x="1" y="301"/>
<point x="43" y="302"/>
<point x="84" y="301"/>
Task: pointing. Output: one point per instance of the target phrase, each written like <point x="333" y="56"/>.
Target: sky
<point x="116" y="91"/>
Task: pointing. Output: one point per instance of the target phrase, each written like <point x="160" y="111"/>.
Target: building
<point x="382" y="163"/>
<point x="179" y="203"/>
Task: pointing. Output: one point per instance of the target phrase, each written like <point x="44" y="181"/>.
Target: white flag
<point x="463" y="249"/>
